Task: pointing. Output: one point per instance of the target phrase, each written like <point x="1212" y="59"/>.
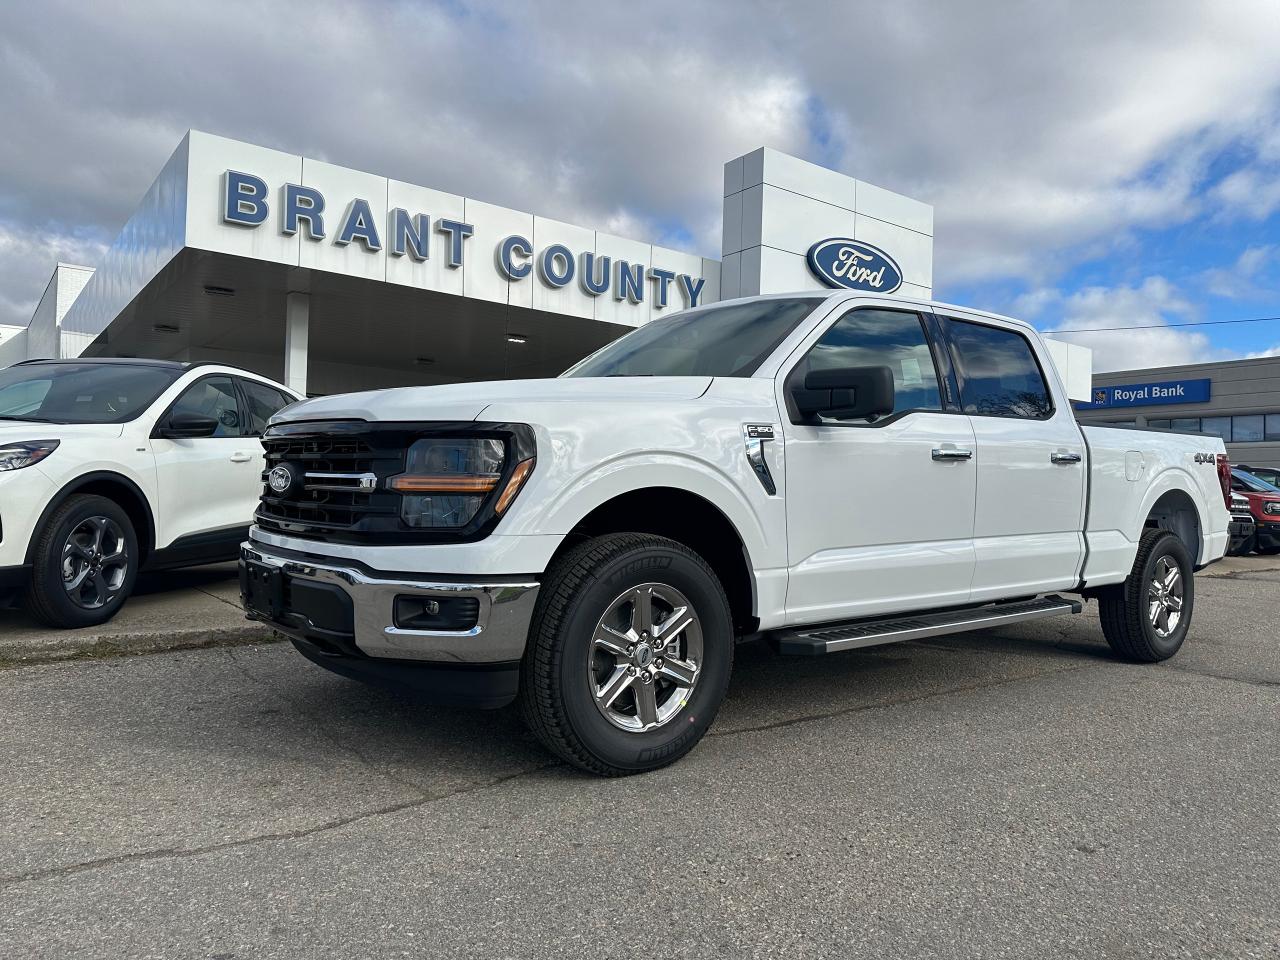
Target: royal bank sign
<point x="247" y="202"/>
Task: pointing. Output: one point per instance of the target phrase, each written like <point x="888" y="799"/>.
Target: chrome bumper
<point x="506" y="609"/>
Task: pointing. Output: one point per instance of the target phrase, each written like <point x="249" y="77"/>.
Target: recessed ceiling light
<point x="516" y="338"/>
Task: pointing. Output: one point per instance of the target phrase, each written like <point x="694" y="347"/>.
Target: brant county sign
<point x="841" y="262"/>
<point x="247" y="202"/>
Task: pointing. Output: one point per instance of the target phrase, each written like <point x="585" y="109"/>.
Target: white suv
<point x="108" y="467"/>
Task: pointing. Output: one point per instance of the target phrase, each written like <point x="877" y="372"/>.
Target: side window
<point x="212" y="397"/>
<point x="264" y="401"/>
<point x="999" y="375"/>
<point x="875" y="338"/>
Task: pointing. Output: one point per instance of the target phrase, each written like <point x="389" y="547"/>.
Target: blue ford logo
<point x="841" y="262"/>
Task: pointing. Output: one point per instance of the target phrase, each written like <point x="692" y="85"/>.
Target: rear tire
<point x="1146" y="618"/>
<point x="84" y="563"/>
<point x="603" y="685"/>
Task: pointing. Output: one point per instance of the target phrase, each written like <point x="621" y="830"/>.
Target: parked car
<point x="1264" y="504"/>
<point x="1269" y="475"/>
<point x="595" y="544"/>
<point x="108" y="467"/>
<point x="1242" y="529"/>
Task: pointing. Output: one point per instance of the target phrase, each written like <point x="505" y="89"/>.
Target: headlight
<point x="15" y="456"/>
<point x="1271" y="507"/>
<point x="448" y="479"/>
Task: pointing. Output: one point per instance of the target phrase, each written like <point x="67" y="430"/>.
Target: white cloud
<point x="1044" y="134"/>
<point x="1254" y="275"/>
<point x="1153" y="304"/>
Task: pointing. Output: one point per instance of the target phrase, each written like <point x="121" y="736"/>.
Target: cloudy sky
<point x="1092" y="164"/>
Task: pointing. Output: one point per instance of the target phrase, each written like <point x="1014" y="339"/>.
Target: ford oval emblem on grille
<point x="280" y="479"/>
<point x="841" y="262"/>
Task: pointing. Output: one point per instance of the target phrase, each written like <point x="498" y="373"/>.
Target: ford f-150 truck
<point x="826" y="471"/>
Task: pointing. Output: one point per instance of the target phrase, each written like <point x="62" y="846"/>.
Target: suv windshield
<point x="81" y="392"/>
<point x="728" y="341"/>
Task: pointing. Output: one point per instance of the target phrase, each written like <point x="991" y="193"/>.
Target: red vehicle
<point x="1264" y="504"/>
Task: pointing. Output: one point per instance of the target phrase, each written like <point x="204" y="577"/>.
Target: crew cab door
<point x="879" y="514"/>
<point x="1030" y="461"/>
<point x="207" y="485"/>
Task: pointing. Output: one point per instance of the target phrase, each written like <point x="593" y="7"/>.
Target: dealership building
<point x="332" y="279"/>
<point x="1237" y="400"/>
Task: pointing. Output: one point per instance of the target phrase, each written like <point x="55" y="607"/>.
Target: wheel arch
<point x="115" y="487"/>
<point x="1177" y="511"/>
<point x="688" y="518"/>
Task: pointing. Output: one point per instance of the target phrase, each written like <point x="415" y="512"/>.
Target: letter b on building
<point x="244" y="199"/>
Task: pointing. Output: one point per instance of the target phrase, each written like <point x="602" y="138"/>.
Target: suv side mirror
<point x="186" y="426"/>
<point x="850" y="393"/>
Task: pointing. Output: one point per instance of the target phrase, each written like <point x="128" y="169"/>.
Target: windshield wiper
<point x="5" y="416"/>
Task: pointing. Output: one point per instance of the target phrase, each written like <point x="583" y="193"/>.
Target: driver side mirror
<point x="849" y="393"/>
<point x="186" y="426"/>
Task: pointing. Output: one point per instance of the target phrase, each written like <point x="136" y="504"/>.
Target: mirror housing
<point x="187" y="426"/>
<point x="849" y="393"/>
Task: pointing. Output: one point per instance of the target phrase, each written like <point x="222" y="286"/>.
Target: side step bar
<point x="868" y="633"/>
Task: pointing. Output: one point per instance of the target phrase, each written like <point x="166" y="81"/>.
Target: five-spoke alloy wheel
<point x="84" y="562"/>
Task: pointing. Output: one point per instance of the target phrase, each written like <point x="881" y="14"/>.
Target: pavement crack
<point x="1249" y="681"/>
<point x="229" y="603"/>
<point x="897" y="702"/>
<point x="182" y="853"/>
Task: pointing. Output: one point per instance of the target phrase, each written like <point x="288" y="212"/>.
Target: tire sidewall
<point x="47" y="564"/>
<point x="1170" y="546"/>
<point x="641" y="751"/>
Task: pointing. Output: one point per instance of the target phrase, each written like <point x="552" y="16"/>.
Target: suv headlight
<point x="15" y="456"/>
<point x="1271" y="508"/>
<point x="448" y="479"/>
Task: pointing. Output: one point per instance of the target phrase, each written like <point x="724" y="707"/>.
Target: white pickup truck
<point x="826" y="471"/>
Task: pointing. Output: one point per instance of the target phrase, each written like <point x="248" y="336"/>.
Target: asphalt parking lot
<point x="1018" y="793"/>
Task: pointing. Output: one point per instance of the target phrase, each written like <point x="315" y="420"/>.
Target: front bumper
<point x="342" y="610"/>
<point x="1268" y="534"/>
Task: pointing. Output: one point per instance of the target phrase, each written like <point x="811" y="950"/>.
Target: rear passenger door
<point x="1030" y="463"/>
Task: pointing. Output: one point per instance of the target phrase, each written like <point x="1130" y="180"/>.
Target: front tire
<point x="1146" y="618"/>
<point x="629" y="654"/>
<point x="84" y="563"/>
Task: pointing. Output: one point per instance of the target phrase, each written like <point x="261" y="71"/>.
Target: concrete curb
<point x="61" y="645"/>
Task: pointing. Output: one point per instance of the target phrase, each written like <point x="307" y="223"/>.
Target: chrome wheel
<point x="646" y="655"/>
<point x="95" y="562"/>
<point x="1164" y="597"/>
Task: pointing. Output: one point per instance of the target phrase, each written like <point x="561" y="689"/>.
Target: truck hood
<point x="467" y="401"/>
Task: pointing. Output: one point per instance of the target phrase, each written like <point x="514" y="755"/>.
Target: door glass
<point x="876" y="338"/>
<point x="212" y="397"/>
<point x="999" y="374"/>
<point x="264" y="402"/>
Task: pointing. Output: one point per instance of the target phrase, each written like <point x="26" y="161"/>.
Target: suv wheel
<point x="1146" y="618"/>
<point x="629" y="654"/>
<point x="84" y="563"/>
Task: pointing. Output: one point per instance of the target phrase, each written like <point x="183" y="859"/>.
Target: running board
<point x="868" y="633"/>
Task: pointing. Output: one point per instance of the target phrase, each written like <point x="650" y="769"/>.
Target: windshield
<point x="728" y="341"/>
<point x="1255" y="484"/>
<point x="81" y="392"/>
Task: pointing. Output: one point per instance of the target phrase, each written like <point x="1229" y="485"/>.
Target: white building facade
<point x="333" y="279"/>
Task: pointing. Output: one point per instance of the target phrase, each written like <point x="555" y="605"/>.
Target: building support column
<point x="297" y="329"/>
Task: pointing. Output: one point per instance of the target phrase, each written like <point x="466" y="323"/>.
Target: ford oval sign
<point x="841" y="262"/>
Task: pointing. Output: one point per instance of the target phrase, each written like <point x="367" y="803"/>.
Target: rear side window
<point x="264" y="403"/>
<point x="999" y="375"/>
<point x="874" y="338"/>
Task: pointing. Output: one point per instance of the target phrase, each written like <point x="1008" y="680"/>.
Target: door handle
<point x="241" y="457"/>
<point x="951" y="453"/>
<point x="1065" y="457"/>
